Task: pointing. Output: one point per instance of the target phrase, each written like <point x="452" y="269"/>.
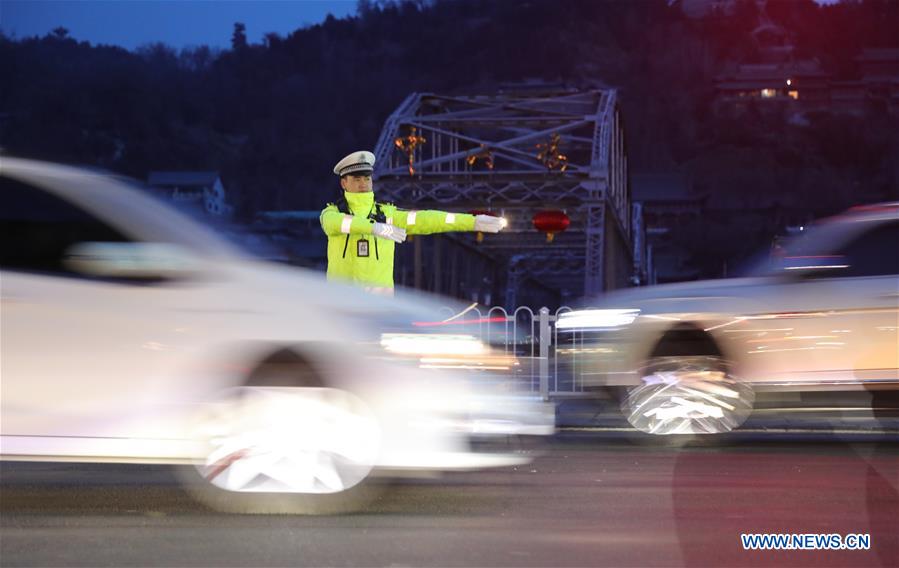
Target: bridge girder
<point x="516" y="154"/>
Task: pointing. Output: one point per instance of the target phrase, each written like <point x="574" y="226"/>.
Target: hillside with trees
<point x="273" y="117"/>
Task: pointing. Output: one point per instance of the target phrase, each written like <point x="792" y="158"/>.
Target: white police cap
<point x="361" y="161"/>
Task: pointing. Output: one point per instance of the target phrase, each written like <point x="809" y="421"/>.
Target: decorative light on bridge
<point x="550" y="156"/>
<point x="483" y="154"/>
<point x="408" y="144"/>
<point x="551" y="221"/>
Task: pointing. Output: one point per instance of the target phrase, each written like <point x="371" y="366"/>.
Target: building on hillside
<point x="879" y="70"/>
<point x="290" y="237"/>
<point x="776" y="81"/>
<point x="204" y="189"/>
<point x="798" y="86"/>
<point x="773" y="79"/>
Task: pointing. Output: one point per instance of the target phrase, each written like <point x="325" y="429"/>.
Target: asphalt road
<point x="588" y="500"/>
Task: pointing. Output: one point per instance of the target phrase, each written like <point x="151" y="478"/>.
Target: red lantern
<point x="476" y="212"/>
<point x="551" y="221"/>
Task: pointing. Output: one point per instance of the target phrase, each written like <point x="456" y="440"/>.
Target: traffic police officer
<point x="362" y="232"/>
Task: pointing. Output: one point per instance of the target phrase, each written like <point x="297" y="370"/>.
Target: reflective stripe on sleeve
<point x="410" y="218"/>
<point x="346" y="224"/>
<point x="450" y="218"/>
<point x="390" y="220"/>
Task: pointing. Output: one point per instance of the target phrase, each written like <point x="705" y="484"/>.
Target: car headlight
<point x="446" y="351"/>
<point x="586" y="319"/>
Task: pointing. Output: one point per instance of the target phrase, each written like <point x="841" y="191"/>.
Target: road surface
<point x="588" y="500"/>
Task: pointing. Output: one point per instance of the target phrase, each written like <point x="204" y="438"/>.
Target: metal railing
<point x="534" y="340"/>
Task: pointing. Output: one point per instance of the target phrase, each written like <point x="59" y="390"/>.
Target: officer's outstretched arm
<point x="429" y="222"/>
<point x="336" y="223"/>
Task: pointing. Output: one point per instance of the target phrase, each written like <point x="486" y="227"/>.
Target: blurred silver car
<point x="132" y="334"/>
<point x="688" y="358"/>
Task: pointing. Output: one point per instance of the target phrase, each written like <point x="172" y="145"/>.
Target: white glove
<point x="391" y="232"/>
<point x="488" y="224"/>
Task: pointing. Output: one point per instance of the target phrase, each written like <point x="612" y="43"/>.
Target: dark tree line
<point x="274" y="116"/>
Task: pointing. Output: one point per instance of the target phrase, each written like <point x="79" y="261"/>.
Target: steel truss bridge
<point x="516" y="154"/>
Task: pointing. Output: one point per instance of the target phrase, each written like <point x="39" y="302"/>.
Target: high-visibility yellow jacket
<point x="346" y="260"/>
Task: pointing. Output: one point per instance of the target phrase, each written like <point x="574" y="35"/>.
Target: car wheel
<point x="687" y="395"/>
<point x="286" y="450"/>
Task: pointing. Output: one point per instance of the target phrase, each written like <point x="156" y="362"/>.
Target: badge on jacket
<point x="362" y="247"/>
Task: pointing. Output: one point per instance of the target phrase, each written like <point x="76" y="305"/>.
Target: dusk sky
<point x="179" y="23"/>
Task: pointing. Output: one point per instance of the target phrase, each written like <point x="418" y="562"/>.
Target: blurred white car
<point x="132" y="334"/>
<point x="689" y="357"/>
